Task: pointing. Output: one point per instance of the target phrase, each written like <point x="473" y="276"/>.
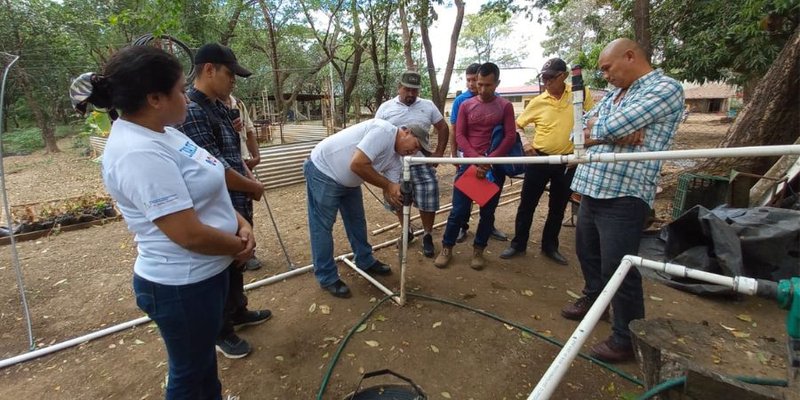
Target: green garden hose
<point x="346" y="339"/>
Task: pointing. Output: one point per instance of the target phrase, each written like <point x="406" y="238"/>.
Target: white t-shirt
<point x="375" y="138"/>
<point x="423" y="113"/>
<point x="152" y="174"/>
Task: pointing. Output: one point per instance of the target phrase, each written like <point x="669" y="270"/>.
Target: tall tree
<point x="381" y="42"/>
<point x="641" y="25"/>
<point x="425" y="16"/>
<point x="771" y="117"/>
<point x="485" y="38"/>
<point x="293" y="50"/>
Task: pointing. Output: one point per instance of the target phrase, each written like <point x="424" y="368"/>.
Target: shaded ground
<point x="78" y="282"/>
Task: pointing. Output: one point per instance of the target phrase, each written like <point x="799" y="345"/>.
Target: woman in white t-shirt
<point x="172" y="194"/>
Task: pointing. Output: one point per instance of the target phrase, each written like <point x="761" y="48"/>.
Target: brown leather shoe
<point x="610" y="352"/>
<point x="577" y="310"/>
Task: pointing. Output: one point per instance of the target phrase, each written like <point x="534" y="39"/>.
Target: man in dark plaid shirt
<point x="208" y="124"/>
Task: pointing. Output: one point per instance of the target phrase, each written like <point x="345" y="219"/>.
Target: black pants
<point x="236" y="302"/>
<point x="536" y="178"/>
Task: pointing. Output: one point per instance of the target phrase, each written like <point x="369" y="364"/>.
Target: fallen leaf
<point x="312" y="308"/>
<point x="361" y="370"/>
<point x="744" y="317"/>
<point x="573" y="294"/>
<point x="437" y="324"/>
<point x="372" y="343"/>
<point x="762" y="358"/>
<point x="137" y="341"/>
<point x="526" y="335"/>
<point x="434" y="349"/>
<point x="279" y="358"/>
<point x="656" y="298"/>
<point x="361" y="328"/>
<point x="528" y="293"/>
<point x="727" y="327"/>
<point x="509" y="327"/>
<point x="446" y="395"/>
<point x="740" y="334"/>
<point x="325" y="309"/>
<point x="381" y="318"/>
<point x="546" y="333"/>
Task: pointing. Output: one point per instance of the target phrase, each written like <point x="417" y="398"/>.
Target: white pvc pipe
<point x="544" y="389"/>
<point x="739" y="284"/>
<point x="371" y="280"/>
<point x="751" y="151"/>
<point x="547" y="385"/>
<point x="72" y="342"/>
<point x="446" y="207"/>
<point x="130" y="324"/>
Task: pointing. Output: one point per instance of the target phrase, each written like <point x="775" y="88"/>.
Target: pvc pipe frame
<point x="10" y="223"/>
<point x="130" y="324"/>
<point x="547" y="385"/>
<point x="604" y="157"/>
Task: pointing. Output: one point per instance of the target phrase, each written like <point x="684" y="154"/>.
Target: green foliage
<point x="28" y="140"/>
<point x="484" y="38"/>
<point x="735" y="40"/>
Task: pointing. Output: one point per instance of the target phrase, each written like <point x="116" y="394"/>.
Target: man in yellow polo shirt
<point x="551" y="113"/>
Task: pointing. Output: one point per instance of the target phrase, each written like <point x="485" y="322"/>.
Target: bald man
<point x="641" y="114"/>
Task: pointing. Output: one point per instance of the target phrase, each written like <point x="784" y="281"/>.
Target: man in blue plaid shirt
<point x="209" y="125"/>
<point x="642" y="114"/>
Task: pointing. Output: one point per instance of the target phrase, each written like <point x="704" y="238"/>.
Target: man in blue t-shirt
<point x="471" y="74"/>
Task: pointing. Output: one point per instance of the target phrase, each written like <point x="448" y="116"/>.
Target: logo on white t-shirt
<point x="188" y="148"/>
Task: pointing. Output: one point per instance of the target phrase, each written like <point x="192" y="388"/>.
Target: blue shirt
<point x="654" y="103"/>
<point x="457" y="103"/>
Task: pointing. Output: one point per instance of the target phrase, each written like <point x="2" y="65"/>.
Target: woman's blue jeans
<point x="189" y="318"/>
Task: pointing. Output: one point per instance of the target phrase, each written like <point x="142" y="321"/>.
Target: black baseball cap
<point x="553" y="67"/>
<point x="216" y="53"/>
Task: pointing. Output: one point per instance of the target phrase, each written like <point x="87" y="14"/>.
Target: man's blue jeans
<point x="459" y="215"/>
<point x="607" y="230"/>
<point x="325" y="198"/>
<point x="189" y="318"/>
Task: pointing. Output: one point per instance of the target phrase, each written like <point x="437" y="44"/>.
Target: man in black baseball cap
<point x="553" y="68"/>
<point x="216" y="53"/>
<point x="209" y="125"/>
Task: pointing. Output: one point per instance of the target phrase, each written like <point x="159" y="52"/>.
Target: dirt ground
<point x="79" y="282"/>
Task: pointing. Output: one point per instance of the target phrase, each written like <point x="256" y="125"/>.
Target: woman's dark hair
<point x="132" y="74"/>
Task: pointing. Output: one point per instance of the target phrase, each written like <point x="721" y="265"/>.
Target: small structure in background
<point x="713" y="98"/>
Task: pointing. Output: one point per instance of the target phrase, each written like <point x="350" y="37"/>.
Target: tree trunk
<point x="228" y="34"/>
<point x="42" y="117"/>
<point x="641" y="25"/>
<point x="439" y="93"/>
<point x="273" y="58"/>
<point x="771" y="117"/>
<point x="406" y="37"/>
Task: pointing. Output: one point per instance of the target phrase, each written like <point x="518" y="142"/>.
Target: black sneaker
<point x="233" y="346"/>
<point x="427" y="245"/>
<point x="251" y="317"/>
<point x="253" y="264"/>
<point x="379" y="268"/>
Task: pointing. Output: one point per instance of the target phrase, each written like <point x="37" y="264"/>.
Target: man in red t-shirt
<point x="477" y="118"/>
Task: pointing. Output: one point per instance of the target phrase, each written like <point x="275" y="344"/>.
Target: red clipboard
<point x="480" y="190"/>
